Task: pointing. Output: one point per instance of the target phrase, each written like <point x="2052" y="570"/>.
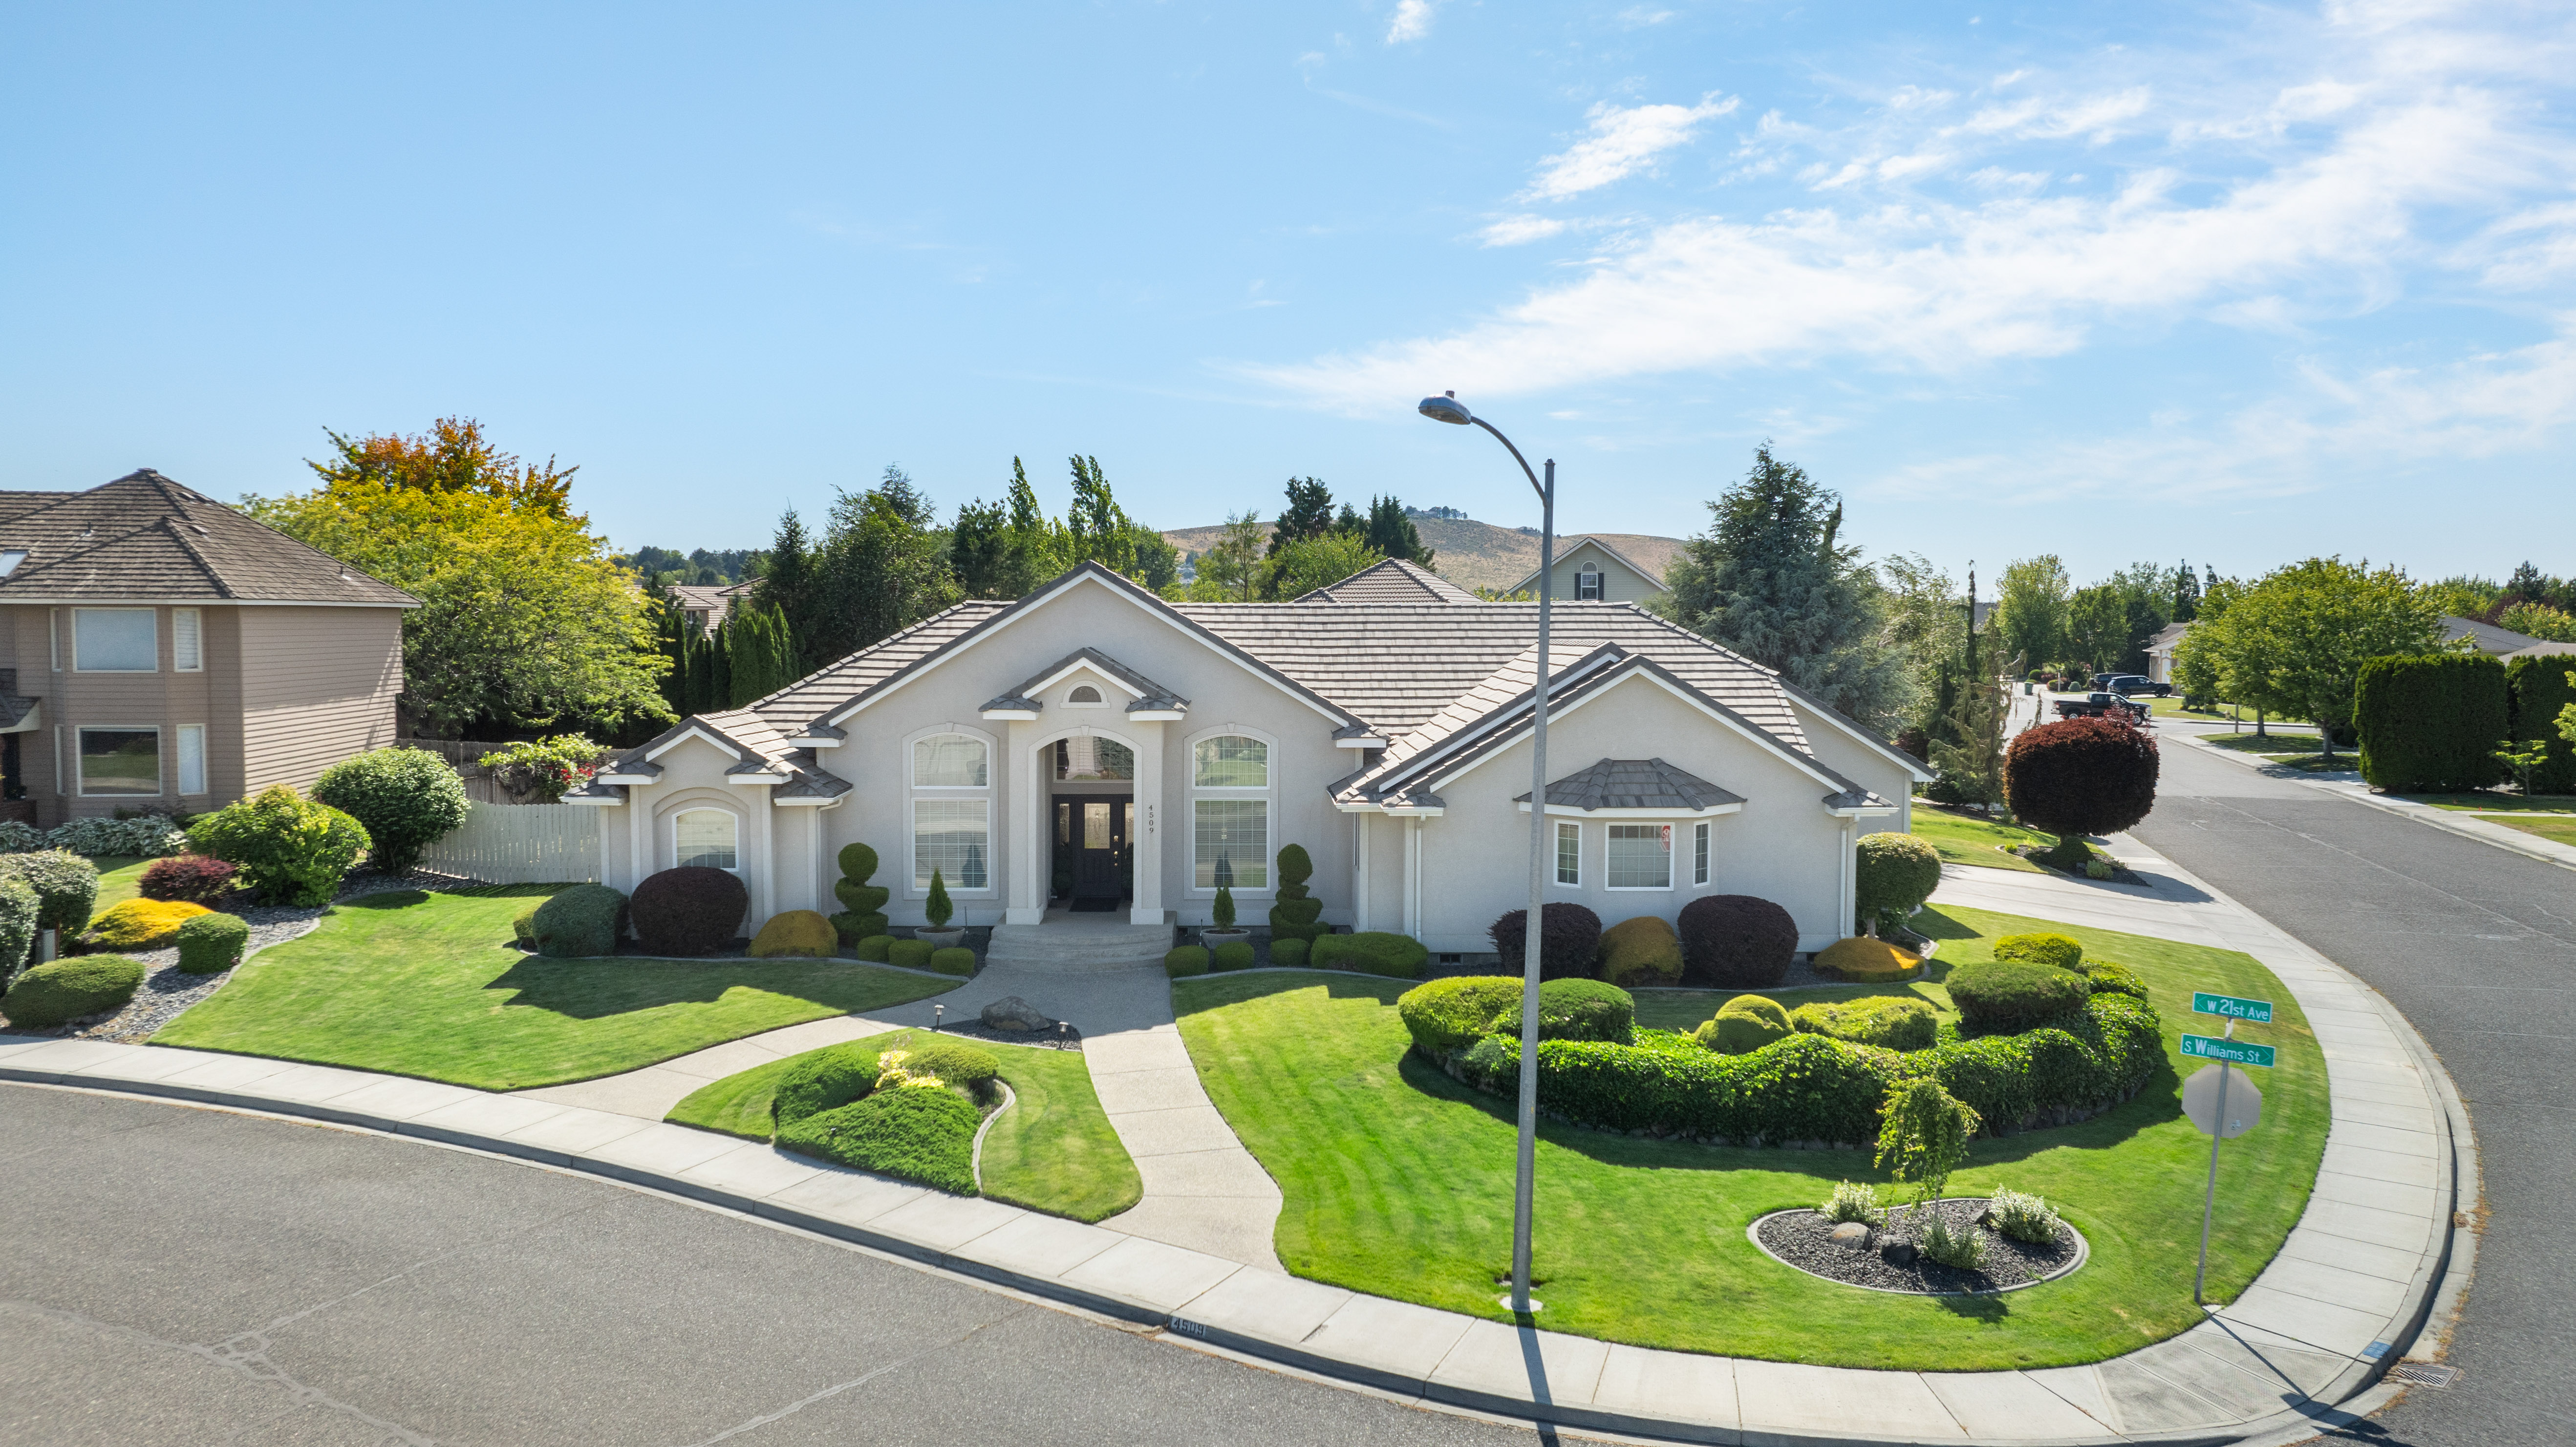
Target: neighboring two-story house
<point x="160" y="652"/>
<point x="1588" y="570"/>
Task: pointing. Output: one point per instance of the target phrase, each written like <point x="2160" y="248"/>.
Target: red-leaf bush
<point x="1569" y="940"/>
<point x="2081" y="776"/>
<point x="692" y="910"/>
<point x="1736" y="941"/>
<point x="194" y="878"/>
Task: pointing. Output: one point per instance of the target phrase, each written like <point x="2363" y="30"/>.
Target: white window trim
<point x="1702" y="848"/>
<point x="916" y="793"/>
<point x="181" y="771"/>
<point x="153" y="614"/>
<point x="1600" y="587"/>
<point x="54" y="636"/>
<point x="1556" y="859"/>
<point x="712" y="808"/>
<point x="195" y="632"/>
<point x="1268" y="794"/>
<point x="1669" y="872"/>
<point x="912" y="760"/>
<point x="79" y="783"/>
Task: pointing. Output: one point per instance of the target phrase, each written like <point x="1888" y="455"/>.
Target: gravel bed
<point x="167" y="992"/>
<point x="971" y="1028"/>
<point x="1802" y="1239"/>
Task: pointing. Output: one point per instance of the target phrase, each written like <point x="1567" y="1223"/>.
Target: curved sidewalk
<point x="2358" y="1277"/>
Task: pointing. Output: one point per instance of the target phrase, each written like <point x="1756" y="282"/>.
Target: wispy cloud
<point x="1514" y="230"/>
<point x="1412" y="21"/>
<point x="1624" y="139"/>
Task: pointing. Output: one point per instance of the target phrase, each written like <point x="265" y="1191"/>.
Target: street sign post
<point x="2222" y="1123"/>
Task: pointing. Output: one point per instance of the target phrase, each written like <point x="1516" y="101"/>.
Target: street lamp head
<point x="1446" y="408"/>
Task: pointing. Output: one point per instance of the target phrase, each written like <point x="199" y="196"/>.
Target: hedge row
<point x="2431" y="722"/>
<point x="2537" y="689"/>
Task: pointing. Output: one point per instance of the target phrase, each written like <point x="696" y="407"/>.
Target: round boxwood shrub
<point x="408" y="799"/>
<point x="875" y="949"/>
<point x="196" y="878"/>
<point x="1892" y="875"/>
<point x="2055" y="951"/>
<point x="1185" y="960"/>
<point x="140" y="924"/>
<point x="1640" y="951"/>
<point x="1762" y="1005"/>
<point x="955" y="960"/>
<point x="2080" y="776"/>
<point x="1574" y="1010"/>
<point x="2011" y="995"/>
<point x="918" y="1135"/>
<point x="911" y="954"/>
<point x="1289" y="954"/>
<point x="799" y="932"/>
<point x="1864" y="960"/>
<point x="1736" y="941"/>
<point x="66" y="990"/>
<point x="19" y="907"/>
<point x="579" y="922"/>
<point x="1888" y="1021"/>
<point x="2106" y="977"/>
<point x="1451" y="1014"/>
<point x="1398" y="957"/>
<point x="212" y="943"/>
<point x="1739" y="1032"/>
<point x="1569" y="940"/>
<point x="292" y="850"/>
<point x="692" y="910"/>
<point x="954" y="1063"/>
<point x="1232" y="955"/>
<point x="66" y="887"/>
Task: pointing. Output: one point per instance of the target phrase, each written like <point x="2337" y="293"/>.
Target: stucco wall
<point x="1863" y="765"/>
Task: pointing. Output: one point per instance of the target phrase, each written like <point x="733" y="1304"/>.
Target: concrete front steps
<point x="1076" y="944"/>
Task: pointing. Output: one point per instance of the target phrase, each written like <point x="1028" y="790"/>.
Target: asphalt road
<point x="188" y="1277"/>
<point x="2478" y="947"/>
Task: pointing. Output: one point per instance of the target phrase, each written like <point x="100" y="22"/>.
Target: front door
<point x="1095" y="828"/>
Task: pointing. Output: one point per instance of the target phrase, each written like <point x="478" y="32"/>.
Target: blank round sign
<point x="2244" y="1102"/>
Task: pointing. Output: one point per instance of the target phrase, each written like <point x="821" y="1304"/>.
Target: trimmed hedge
<point x="292" y="850"/>
<point x="924" y="1135"/>
<point x="1736" y="941"/>
<point x="407" y="799"/>
<point x="19" y="907"/>
<point x="66" y="887"/>
<point x="196" y="878"/>
<point x="1868" y="961"/>
<point x="1738" y="1032"/>
<point x="800" y="932"/>
<point x="911" y="954"/>
<point x="1640" y="951"/>
<point x="692" y="910"/>
<point x="2106" y="978"/>
<point x="2056" y="951"/>
<point x="580" y="922"/>
<point x="1232" y="955"/>
<point x="1398" y="957"/>
<point x="955" y="960"/>
<point x="2535" y="690"/>
<point x="140" y="924"/>
<point x="66" y="990"/>
<point x="150" y="837"/>
<point x="2013" y="995"/>
<point x="1569" y="940"/>
<point x="824" y="1080"/>
<point x="1295" y="913"/>
<point x="1887" y="1021"/>
<point x="1451" y="1014"/>
<point x="212" y="943"/>
<point x="1892" y="875"/>
<point x="2431" y="722"/>
<point x="1289" y="954"/>
<point x="1185" y="960"/>
<point x="954" y="1062"/>
<point x="1762" y="1005"/>
<point x="1573" y="1010"/>
<point x="875" y="949"/>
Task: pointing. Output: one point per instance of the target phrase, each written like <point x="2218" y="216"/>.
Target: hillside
<point x="1479" y="555"/>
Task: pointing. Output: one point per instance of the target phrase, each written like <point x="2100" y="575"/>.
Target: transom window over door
<point x="706" y="839"/>
<point x="1640" y="857"/>
<point x="1090" y="756"/>
<point x="1230" y="813"/>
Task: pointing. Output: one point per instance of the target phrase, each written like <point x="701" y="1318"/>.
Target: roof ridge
<point x="214" y="575"/>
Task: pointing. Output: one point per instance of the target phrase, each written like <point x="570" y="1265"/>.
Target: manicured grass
<point x="1052" y="1151"/>
<point x="2170" y="706"/>
<point x="1398" y="1181"/>
<point x="120" y="878"/>
<point x="2345" y="761"/>
<point x="2561" y="830"/>
<point x="2275" y="742"/>
<point x="1965" y="838"/>
<point x="429" y="985"/>
<point x="2485" y="802"/>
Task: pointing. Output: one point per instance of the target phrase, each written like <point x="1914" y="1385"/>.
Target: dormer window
<point x="1587" y="584"/>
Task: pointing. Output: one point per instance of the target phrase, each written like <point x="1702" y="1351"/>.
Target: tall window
<point x="949" y="761"/>
<point x="1569" y="852"/>
<point x="1230" y="812"/>
<point x="1699" y="853"/>
<point x="187" y="643"/>
<point x="952" y="811"/>
<point x="114" y="640"/>
<point x="120" y="761"/>
<point x="192" y="758"/>
<point x="1587" y="584"/>
<point x="705" y="839"/>
<point x="1640" y="857"/>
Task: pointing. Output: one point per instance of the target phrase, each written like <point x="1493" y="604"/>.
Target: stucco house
<point x="1094" y="747"/>
<point x="161" y="652"/>
<point x="1588" y="570"/>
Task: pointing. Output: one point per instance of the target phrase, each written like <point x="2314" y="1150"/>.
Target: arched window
<point x="1083" y="693"/>
<point x="1587" y="584"/>
<point x="1093" y="756"/>
<point x="1230" y="786"/>
<point x="706" y="839"/>
<point x="952" y="812"/>
<point x="949" y="761"/>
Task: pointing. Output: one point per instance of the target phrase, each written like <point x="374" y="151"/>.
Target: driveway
<point x="2477" y="947"/>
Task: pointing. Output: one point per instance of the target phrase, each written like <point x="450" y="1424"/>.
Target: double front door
<point x="1091" y="833"/>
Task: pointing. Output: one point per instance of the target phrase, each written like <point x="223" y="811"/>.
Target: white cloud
<point x="1638" y="17"/>
<point x="1514" y="230"/>
<point x="2098" y="116"/>
<point x="1916" y="98"/>
<point x="1624" y="139"/>
<point x="1412" y="21"/>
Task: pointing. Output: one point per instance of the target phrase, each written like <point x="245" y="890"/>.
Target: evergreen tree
<point x="979" y="550"/>
<point x="881" y="568"/>
<point x="1309" y="513"/>
<point x="788" y="584"/>
<point x="1770" y="581"/>
<point x="2186" y="594"/>
<point x="1391" y="532"/>
<point x="1347" y="522"/>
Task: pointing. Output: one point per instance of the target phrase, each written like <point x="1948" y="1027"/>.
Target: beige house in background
<point x="1589" y="570"/>
<point x="160" y="652"/>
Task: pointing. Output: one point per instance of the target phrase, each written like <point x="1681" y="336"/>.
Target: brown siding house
<point x="160" y="651"/>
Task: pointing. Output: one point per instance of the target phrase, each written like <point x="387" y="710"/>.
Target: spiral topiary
<point x="862" y="904"/>
<point x="1295" y="915"/>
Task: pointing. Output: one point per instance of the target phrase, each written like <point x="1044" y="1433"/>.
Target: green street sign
<point x="2235" y="1052"/>
<point x="2258" y="1012"/>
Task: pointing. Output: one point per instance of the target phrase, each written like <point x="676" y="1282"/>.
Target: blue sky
<point x="2225" y="282"/>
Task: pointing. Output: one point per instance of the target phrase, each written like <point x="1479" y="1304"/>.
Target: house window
<point x="1569" y="853"/>
<point x="949" y="761"/>
<point x="1088" y="756"/>
<point x="1640" y="857"/>
<point x="1587" y="584"/>
<point x="951" y="836"/>
<point x="192" y="758"/>
<point x="705" y="839"/>
<point x="187" y="646"/>
<point x="1232" y="762"/>
<point x="114" y="640"/>
<point x="120" y="761"/>
<point x="1699" y="854"/>
<point x="1083" y="695"/>
<point x="1231" y="839"/>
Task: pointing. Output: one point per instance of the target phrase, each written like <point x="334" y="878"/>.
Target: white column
<point x="767" y="900"/>
<point x="1851" y="882"/>
<point x="1413" y="877"/>
<point x="1022" y="821"/>
<point x="639" y="836"/>
<point x="1145" y="831"/>
<point x="1360" y="873"/>
<point x="814" y="895"/>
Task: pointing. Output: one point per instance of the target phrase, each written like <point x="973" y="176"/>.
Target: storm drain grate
<point x="2424" y="1374"/>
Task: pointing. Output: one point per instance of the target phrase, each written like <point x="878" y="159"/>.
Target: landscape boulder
<point x="1013" y="1013"/>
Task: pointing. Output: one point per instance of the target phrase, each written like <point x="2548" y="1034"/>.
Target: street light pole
<point x="1448" y="409"/>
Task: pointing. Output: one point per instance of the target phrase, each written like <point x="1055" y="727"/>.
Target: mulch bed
<point x="1802" y="1239"/>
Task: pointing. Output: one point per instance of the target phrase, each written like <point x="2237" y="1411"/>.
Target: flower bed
<point x="1803" y="1239"/>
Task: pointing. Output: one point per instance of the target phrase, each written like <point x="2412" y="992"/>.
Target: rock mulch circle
<point x="1884" y="1259"/>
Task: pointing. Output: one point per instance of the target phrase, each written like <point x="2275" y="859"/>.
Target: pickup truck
<point x="2132" y="685"/>
<point x="2093" y="705"/>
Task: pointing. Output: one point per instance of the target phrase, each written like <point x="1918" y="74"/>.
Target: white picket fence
<point x="520" y="844"/>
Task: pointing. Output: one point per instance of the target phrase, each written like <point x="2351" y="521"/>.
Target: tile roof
<point x="1393" y="581"/>
<point x="1635" y="784"/>
<point x="808" y="699"/>
<point x="146" y="537"/>
<point x="1149" y="694"/>
<point x="2487" y="637"/>
<point x="763" y="746"/>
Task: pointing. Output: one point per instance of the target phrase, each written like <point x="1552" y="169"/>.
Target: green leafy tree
<point x="979" y="549"/>
<point x="2184" y="589"/>
<point x="880" y="569"/>
<point x="2540" y="621"/>
<point x="1927" y="621"/>
<point x="1770" y="580"/>
<point x="452" y="456"/>
<point x="2294" y="643"/>
<point x="1318" y="562"/>
<point x="1923" y="1134"/>
<point x="2097" y="625"/>
<point x="2031" y="607"/>
<point x="1230" y="572"/>
<point x="1390" y="532"/>
<point x="1309" y="514"/>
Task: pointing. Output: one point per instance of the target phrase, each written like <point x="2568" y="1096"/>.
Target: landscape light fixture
<point x="1447" y="408"/>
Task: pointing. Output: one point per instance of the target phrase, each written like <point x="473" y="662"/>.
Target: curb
<point x="2421" y="814"/>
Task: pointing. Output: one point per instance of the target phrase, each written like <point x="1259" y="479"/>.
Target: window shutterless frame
<point x="707" y="838"/>
<point x="1699" y="853"/>
<point x="1569" y="855"/>
<point x="949" y="821"/>
<point x="1640" y="854"/>
<point x="187" y="641"/>
<point x="116" y="640"/>
<point x="1233" y="787"/>
<point x="192" y="758"/>
<point x="117" y="761"/>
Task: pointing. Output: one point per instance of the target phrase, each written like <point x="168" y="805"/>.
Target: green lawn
<point x="2486" y="802"/>
<point x="2561" y="830"/>
<point x="1052" y="1151"/>
<point x="429" y="985"/>
<point x="1968" y="839"/>
<point x="120" y="878"/>
<point x="1399" y="1182"/>
<point x="2274" y="742"/>
<point x="2170" y="706"/>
